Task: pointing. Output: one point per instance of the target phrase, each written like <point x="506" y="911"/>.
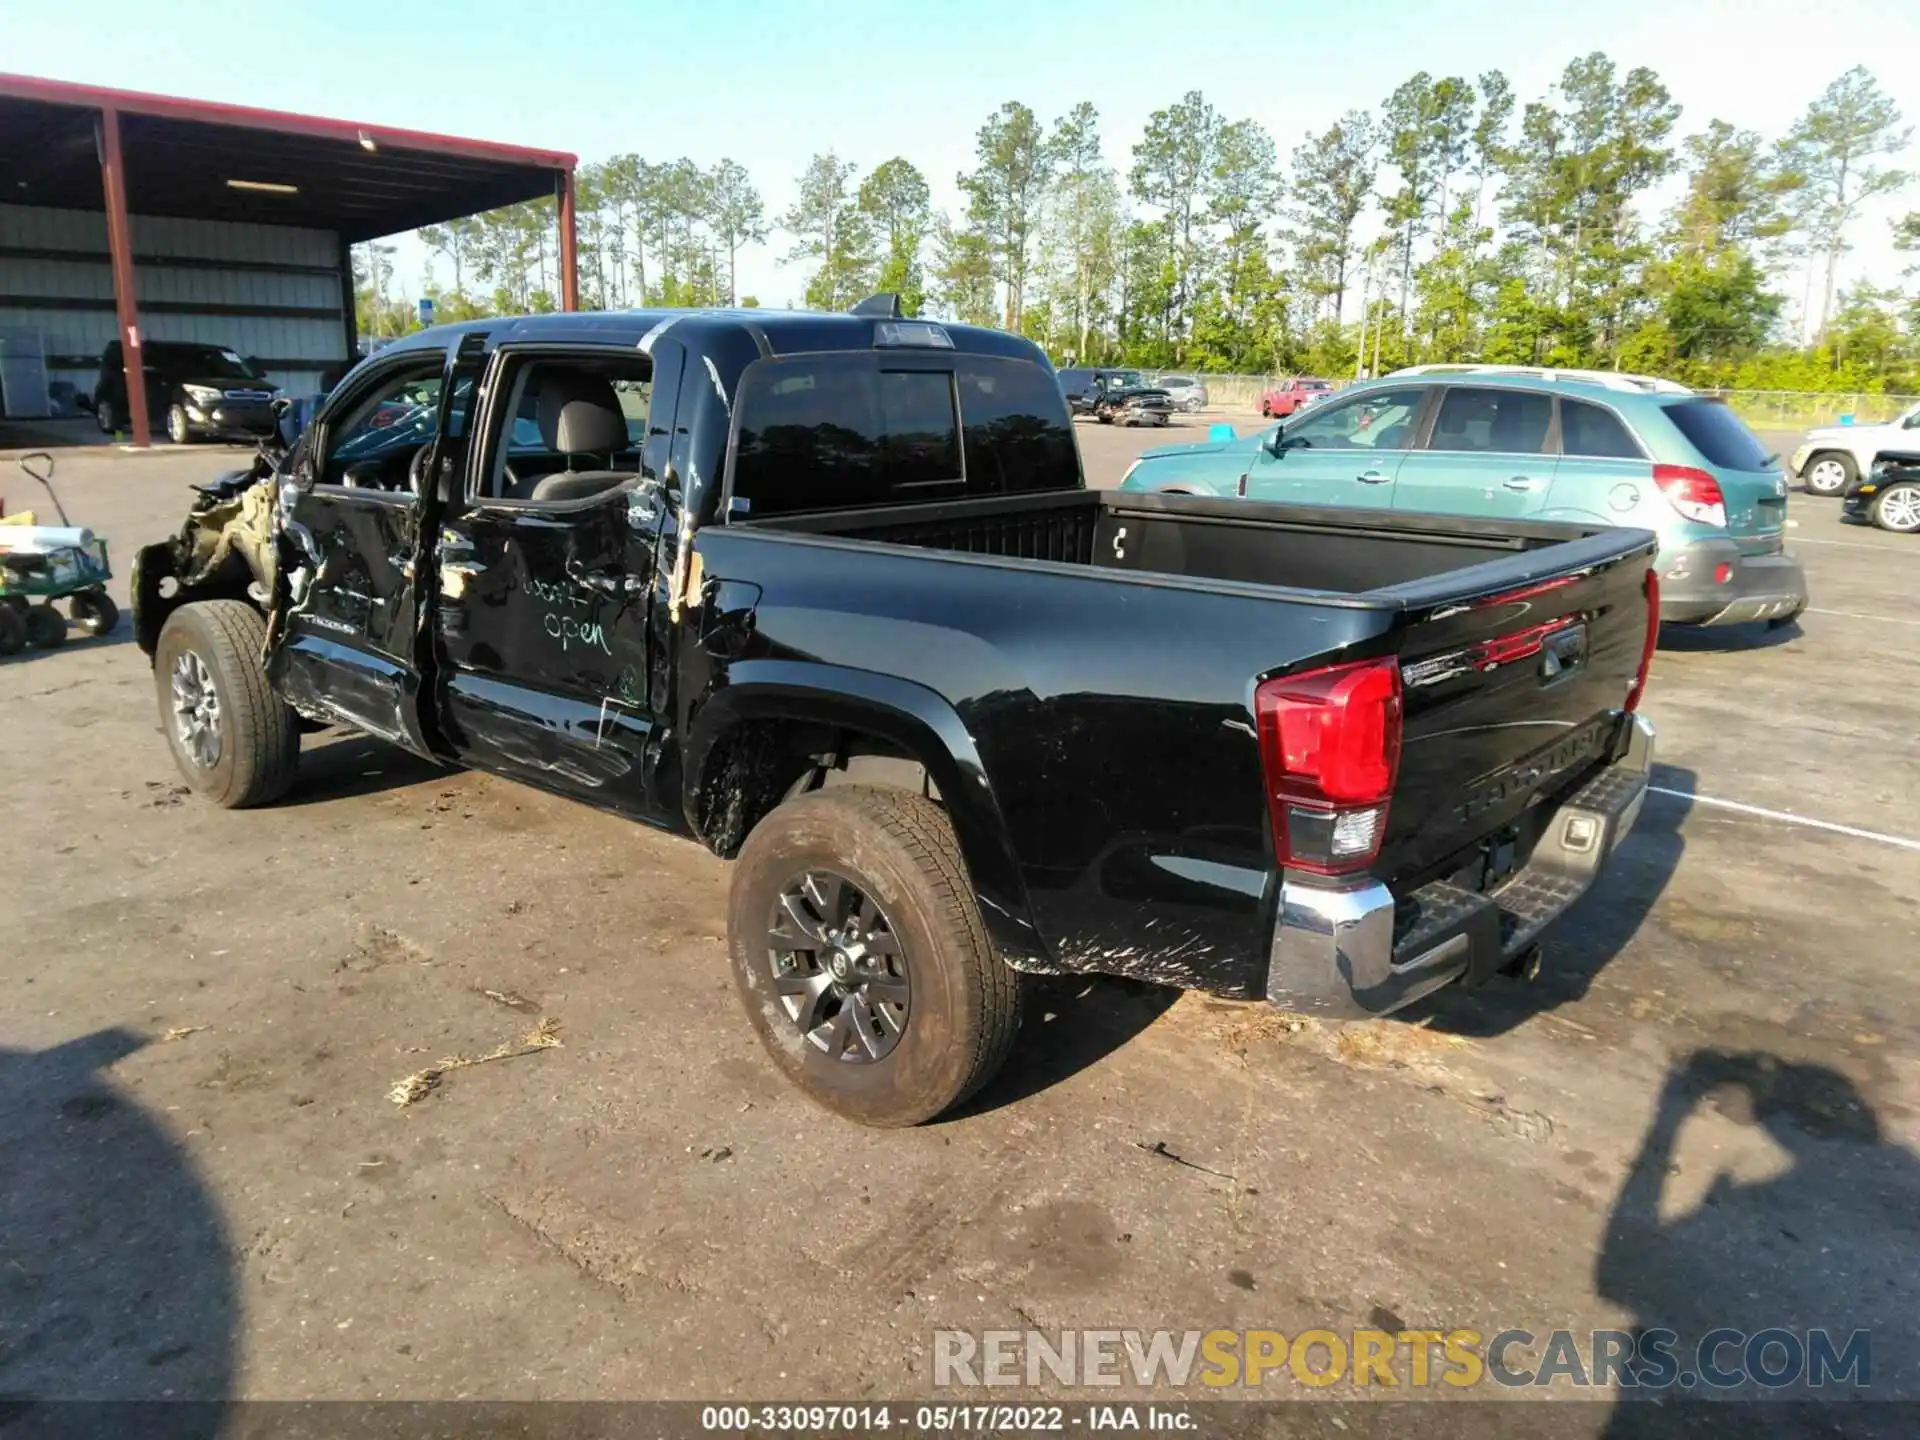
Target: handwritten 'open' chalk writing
<point x="568" y="631"/>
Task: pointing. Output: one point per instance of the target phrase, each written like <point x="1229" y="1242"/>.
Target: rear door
<point x="1489" y="452"/>
<point x="1603" y="470"/>
<point x="549" y="560"/>
<point x="1346" y="453"/>
<point x="348" y="644"/>
<point x="1751" y="480"/>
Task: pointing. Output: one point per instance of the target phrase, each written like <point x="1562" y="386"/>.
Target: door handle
<point x="1521" y="482"/>
<point x="606" y="582"/>
<point x="1372" y="477"/>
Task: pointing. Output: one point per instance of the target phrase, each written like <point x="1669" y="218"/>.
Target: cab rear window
<point x="836" y="431"/>
<point x="1720" y="436"/>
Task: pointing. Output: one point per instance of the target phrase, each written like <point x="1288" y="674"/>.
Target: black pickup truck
<point x="828" y="594"/>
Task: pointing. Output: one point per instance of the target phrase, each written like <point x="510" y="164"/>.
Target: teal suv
<point x="1545" y="446"/>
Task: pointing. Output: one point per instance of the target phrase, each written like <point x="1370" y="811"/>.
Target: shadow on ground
<point x="1768" y="1280"/>
<point x="339" y="765"/>
<point x="116" y="1270"/>
<point x="1588" y="937"/>
<point x="1072" y="1022"/>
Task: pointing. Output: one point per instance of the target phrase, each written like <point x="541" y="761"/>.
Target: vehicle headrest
<point x="579" y="412"/>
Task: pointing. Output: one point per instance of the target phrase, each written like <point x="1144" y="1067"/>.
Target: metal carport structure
<point x="175" y="217"/>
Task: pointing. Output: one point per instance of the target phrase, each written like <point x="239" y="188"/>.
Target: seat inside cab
<point x="578" y="424"/>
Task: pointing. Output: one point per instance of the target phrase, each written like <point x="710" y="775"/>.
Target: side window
<point x="1382" y="420"/>
<point x="1495" y="422"/>
<point x="1589" y="430"/>
<point x="373" y="441"/>
<point x="568" y="427"/>
<point x="833" y="431"/>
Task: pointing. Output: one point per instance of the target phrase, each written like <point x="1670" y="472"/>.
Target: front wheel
<point x="1829" y="473"/>
<point x="178" y="430"/>
<point x="861" y="959"/>
<point x="105" y="417"/>
<point x="236" y="742"/>
<point x="1897" y="508"/>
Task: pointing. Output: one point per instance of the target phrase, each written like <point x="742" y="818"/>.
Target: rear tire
<point x="46" y="627"/>
<point x="94" y="612"/>
<point x="1829" y="473"/>
<point x="960" y="1004"/>
<point x="243" y="748"/>
<point x="1897" y="508"/>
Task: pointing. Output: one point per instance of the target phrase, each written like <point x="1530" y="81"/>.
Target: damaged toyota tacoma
<point x="828" y="594"/>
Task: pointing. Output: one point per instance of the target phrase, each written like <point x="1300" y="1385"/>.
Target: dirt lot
<point x="1705" y="1112"/>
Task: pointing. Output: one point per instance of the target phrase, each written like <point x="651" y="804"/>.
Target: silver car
<point x="1187" y="392"/>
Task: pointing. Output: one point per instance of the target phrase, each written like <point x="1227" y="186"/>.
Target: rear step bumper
<point x="1358" y="952"/>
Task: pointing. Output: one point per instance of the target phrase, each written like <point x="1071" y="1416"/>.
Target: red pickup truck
<point x="1291" y="395"/>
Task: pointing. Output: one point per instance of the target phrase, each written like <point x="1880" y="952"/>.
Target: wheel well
<point x="759" y="763"/>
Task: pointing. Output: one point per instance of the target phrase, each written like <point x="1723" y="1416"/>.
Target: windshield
<point x="210" y="361"/>
<point x="1719" y="435"/>
<point x="1124" y="377"/>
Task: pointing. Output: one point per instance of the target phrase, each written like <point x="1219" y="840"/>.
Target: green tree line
<point x="1453" y="222"/>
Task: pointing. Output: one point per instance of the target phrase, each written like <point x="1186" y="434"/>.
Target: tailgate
<point x="1512" y="691"/>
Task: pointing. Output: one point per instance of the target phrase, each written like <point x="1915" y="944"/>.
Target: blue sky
<point x="769" y="82"/>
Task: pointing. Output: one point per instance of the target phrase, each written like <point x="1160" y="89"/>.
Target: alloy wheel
<point x="196" y="710"/>
<point x="1900" y="509"/>
<point x="839" y="971"/>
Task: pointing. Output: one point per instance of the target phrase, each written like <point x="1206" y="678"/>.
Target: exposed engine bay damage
<point x="224" y="551"/>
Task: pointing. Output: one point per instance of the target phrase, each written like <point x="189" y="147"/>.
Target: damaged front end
<point x="226" y="550"/>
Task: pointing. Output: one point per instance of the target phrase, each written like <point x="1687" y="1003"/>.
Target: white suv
<point x="1833" y="457"/>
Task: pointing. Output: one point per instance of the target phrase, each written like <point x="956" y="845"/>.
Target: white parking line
<point x="1846" y="544"/>
<point x="1788" y="817"/>
<point x="1856" y="615"/>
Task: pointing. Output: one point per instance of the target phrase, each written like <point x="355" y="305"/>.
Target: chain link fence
<point x="1806" y="409"/>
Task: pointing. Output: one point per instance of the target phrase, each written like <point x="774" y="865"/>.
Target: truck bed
<point x="1326" y="552"/>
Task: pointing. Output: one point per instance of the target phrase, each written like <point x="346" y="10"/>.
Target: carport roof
<point x="358" y="179"/>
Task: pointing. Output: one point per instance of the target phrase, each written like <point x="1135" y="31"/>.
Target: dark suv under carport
<point x="194" y="391"/>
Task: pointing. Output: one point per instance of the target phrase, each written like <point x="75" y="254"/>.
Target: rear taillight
<point x="1694" y="493"/>
<point x="1646" y="649"/>
<point x="1329" y="749"/>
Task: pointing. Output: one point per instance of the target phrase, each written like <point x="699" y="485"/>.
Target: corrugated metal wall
<point x="263" y="290"/>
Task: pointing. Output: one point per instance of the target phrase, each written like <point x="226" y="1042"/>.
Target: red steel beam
<point x="113" y="180"/>
<point x="569" y="246"/>
<point x="209" y="112"/>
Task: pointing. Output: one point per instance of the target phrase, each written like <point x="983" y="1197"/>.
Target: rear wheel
<point x="94" y="612"/>
<point x="13" y="629"/>
<point x="236" y="742"/>
<point x="1829" y="472"/>
<point x="1897" y="508"/>
<point x="861" y="959"/>
<point x="46" y="627"/>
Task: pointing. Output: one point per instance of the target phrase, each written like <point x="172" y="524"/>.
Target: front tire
<point x="1829" y="472"/>
<point x="178" y="430"/>
<point x="861" y="959"/>
<point x="1897" y="508"/>
<point x="104" y="417"/>
<point x="236" y="742"/>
